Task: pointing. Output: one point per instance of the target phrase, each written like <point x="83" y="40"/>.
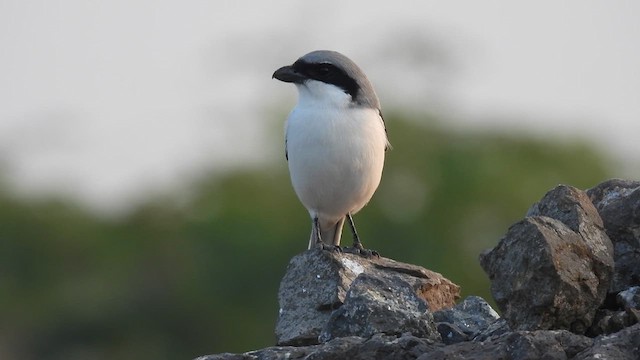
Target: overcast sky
<point x="106" y="100"/>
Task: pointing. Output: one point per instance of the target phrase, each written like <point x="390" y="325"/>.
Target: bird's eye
<point x="319" y="71"/>
<point x="323" y="70"/>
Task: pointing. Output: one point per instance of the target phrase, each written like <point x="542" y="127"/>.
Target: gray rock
<point x="574" y="208"/>
<point x="451" y="333"/>
<point x="552" y="269"/>
<point x="342" y="348"/>
<point x="558" y="344"/>
<point x="611" y="321"/>
<point x="404" y="347"/>
<point x="225" y="356"/>
<point x="381" y="347"/>
<point x="471" y="317"/>
<point x="318" y="283"/>
<point x="521" y="345"/>
<point x="630" y="298"/>
<point x="621" y="345"/>
<point x="308" y="294"/>
<point x="538" y="279"/>
<point x="618" y="202"/>
<point x="380" y="304"/>
<point x="270" y="353"/>
<point x="549" y="275"/>
<point x="494" y="329"/>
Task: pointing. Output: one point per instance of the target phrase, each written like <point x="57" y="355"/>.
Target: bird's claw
<point x="327" y="247"/>
<point x="358" y="249"/>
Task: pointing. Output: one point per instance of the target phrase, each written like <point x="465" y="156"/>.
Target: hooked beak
<point x="288" y="74"/>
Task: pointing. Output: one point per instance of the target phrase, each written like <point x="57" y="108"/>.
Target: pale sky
<point x="107" y="101"/>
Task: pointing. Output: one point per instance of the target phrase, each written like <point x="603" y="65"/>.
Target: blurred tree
<point x="176" y="281"/>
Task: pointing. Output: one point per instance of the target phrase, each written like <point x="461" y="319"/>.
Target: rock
<point x="621" y="345"/>
<point x="553" y="276"/>
<point x="630" y="298"/>
<point x="308" y="294"/>
<point x="618" y="203"/>
<point x="465" y="320"/>
<point x="610" y="321"/>
<point x="561" y="254"/>
<point x="378" y="346"/>
<point x="557" y="344"/>
<point x="318" y="284"/>
<point x="380" y="304"/>
<point x="574" y="208"/>
<point x="533" y="258"/>
<point x="405" y="346"/>
<point x="494" y="329"/>
<point x="451" y="333"/>
<point x="626" y="313"/>
<point x="521" y="345"/>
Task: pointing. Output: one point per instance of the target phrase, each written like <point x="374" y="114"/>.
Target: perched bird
<point x="335" y="142"/>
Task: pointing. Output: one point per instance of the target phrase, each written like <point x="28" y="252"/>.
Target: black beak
<point x="288" y="74"/>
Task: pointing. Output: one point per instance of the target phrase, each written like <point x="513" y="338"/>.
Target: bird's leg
<point x="318" y="238"/>
<point x="357" y="244"/>
<point x="316" y="231"/>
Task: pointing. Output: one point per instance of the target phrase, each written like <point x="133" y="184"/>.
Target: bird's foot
<point x="358" y="249"/>
<point x="327" y="247"/>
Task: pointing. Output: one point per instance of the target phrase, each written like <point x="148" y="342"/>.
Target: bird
<point x="335" y="143"/>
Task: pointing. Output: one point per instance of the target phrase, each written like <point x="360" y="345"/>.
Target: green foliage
<point x="176" y="281"/>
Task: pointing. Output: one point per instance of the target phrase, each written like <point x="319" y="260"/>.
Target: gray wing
<point x="286" y="152"/>
<point x="388" y="146"/>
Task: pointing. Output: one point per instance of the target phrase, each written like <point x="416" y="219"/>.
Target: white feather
<point x="336" y="153"/>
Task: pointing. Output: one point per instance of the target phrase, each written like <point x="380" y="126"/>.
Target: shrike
<point x="335" y="142"/>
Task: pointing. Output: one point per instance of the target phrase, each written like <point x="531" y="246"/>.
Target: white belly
<point x="335" y="161"/>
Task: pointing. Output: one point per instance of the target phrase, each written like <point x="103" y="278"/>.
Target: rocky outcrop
<point x="552" y="270"/>
<point x="618" y="203"/>
<point x="566" y="279"/>
<point x="472" y="318"/>
<point x="325" y="295"/>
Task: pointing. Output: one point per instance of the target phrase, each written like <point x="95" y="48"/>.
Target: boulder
<point x="618" y="203"/>
<point x="380" y="304"/>
<point x="336" y="294"/>
<point x="629" y="298"/>
<point x="624" y="344"/>
<point x="552" y="270"/>
<point x="553" y="276"/>
<point x="465" y="320"/>
<point x="521" y="345"/>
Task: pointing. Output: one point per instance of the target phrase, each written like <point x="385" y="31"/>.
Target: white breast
<point x="335" y="150"/>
